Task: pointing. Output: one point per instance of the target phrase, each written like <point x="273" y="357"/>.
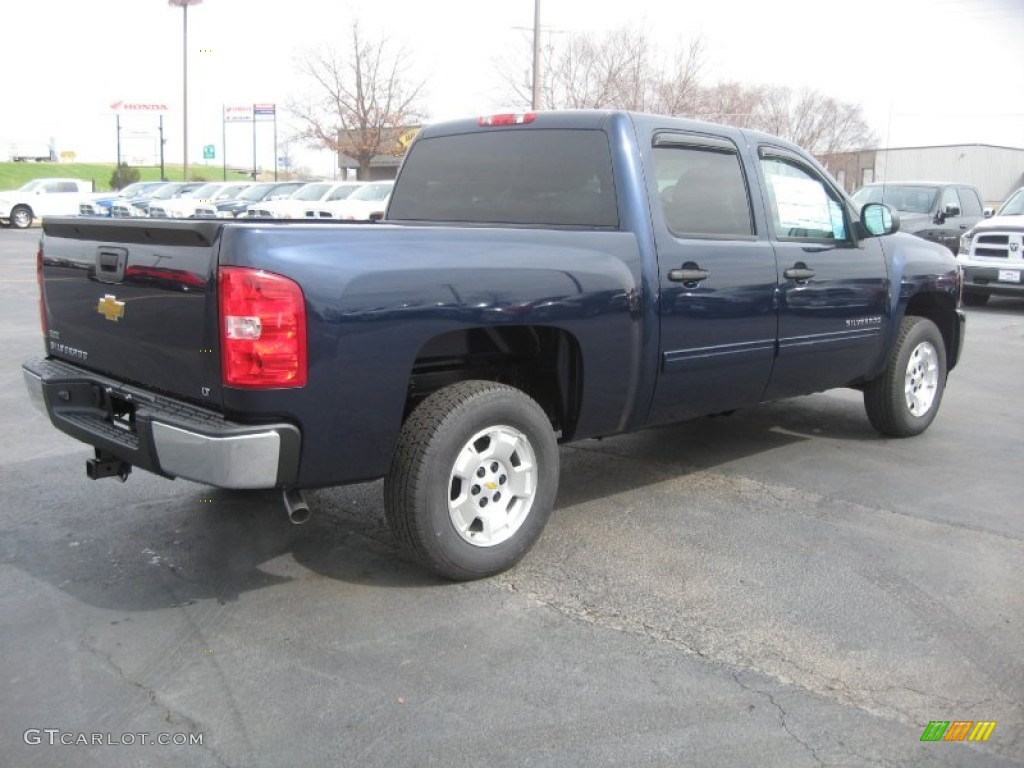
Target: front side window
<point x="950" y="199"/>
<point x="801" y="205"/>
<point x="702" y="191"/>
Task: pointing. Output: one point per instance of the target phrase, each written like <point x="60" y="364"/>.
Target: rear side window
<point x="702" y="191"/>
<point x="532" y="177"/>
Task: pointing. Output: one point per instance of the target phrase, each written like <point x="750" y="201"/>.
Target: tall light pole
<point x="184" y="4"/>
<point x="535" y="105"/>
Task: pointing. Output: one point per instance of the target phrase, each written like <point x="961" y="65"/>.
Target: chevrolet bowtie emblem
<point x="491" y="486"/>
<point x="111" y="308"/>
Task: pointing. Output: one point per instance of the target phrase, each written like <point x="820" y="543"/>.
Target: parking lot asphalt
<point x="782" y="587"/>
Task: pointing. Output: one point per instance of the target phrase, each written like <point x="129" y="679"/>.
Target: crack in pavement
<point x="176" y="719"/>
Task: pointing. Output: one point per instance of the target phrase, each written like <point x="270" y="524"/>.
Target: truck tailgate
<point x="136" y="301"/>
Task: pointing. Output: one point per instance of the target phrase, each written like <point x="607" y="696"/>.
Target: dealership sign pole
<point x="264" y="111"/>
<point x="140" y="108"/>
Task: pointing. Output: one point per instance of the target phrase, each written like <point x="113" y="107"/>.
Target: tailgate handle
<point x="110" y="264"/>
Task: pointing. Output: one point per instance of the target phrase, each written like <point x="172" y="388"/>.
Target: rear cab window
<point x="540" y="177"/>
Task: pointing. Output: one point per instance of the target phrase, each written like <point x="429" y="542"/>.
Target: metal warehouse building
<point x="996" y="171"/>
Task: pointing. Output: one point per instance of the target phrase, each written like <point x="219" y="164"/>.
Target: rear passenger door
<point x="717" y="279"/>
<point x="833" y="289"/>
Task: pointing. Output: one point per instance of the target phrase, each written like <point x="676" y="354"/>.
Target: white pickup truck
<point x="41" y="197"/>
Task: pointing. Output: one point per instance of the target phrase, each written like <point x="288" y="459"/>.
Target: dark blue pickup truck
<point x="537" y="278"/>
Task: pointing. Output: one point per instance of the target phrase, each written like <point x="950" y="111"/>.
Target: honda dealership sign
<point x="139" y="107"/>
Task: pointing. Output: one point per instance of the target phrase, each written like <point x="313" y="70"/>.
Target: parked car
<point x="935" y="210"/>
<point x="363" y="204"/>
<point x="229" y="209"/>
<point x="185" y="206"/>
<point x="534" y="282"/>
<point x="101" y="206"/>
<point x="41" y="197"/>
<point x="295" y="207"/>
<point x="992" y="254"/>
<point x="140" y="206"/>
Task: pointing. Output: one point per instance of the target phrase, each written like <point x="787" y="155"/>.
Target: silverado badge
<point x="111" y="308"/>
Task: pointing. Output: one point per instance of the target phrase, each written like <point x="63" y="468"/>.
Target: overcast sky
<point x="925" y="71"/>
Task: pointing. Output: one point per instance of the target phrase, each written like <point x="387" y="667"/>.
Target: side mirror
<point x="952" y="210"/>
<point x="377" y="216"/>
<point x="989" y="212"/>
<point x="879" y="219"/>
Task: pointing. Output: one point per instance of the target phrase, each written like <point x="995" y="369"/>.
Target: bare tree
<point x="819" y="123"/>
<point x="677" y="90"/>
<point x="362" y="101"/>
<point x="618" y="70"/>
<point x="730" y="103"/>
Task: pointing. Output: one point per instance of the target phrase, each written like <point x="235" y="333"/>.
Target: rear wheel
<point x="905" y="398"/>
<point x="21" y="217"/>
<point x="972" y="299"/>
<point x="473" y="479"/>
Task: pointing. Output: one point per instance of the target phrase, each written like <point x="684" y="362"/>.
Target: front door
<point x="833" y="288"/>
<point x="717" y="280"/>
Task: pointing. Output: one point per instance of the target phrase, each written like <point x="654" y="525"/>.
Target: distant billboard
<point x="238" y="114"/>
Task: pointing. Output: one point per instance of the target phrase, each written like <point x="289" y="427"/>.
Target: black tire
<point x="422" y="486"/>
<point x="21" y="217"/>
<point x="973" y="299"/>
<point x="905" y="398"/>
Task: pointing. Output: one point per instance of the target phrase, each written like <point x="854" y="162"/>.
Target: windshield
<point x="311" y="192"/>
<point x="230" y="193"/>
<point x="205" y="192"/>
<point x="133" y="189"/>
<point x="29" y="186"/>
<point x="909" y="198"/>
<point x="1014" y="206"/>
<point x="167" y="191"/>
<point x="255" y="193"/>
<point x="374" y="192"/>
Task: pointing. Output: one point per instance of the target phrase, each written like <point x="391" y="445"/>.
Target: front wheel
<point x="904" y="400"/>
<point x="21" y="217"/>
<point x="473" y="479"/>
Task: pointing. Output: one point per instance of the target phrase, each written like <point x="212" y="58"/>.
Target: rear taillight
<point x="39" y="280"/>
<point x="263" y="329"/>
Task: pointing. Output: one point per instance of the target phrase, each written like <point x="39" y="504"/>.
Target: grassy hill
<point x="13" y="175"/>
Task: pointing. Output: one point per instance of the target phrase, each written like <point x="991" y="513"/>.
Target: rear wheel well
<point x="940" y="308"/>
<point x="542" y="361"/>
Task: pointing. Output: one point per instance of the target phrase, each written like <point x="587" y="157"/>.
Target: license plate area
<point x="1009" y="275"/>
<point x="121" y="412"/>
<point x="94" y="402"/>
